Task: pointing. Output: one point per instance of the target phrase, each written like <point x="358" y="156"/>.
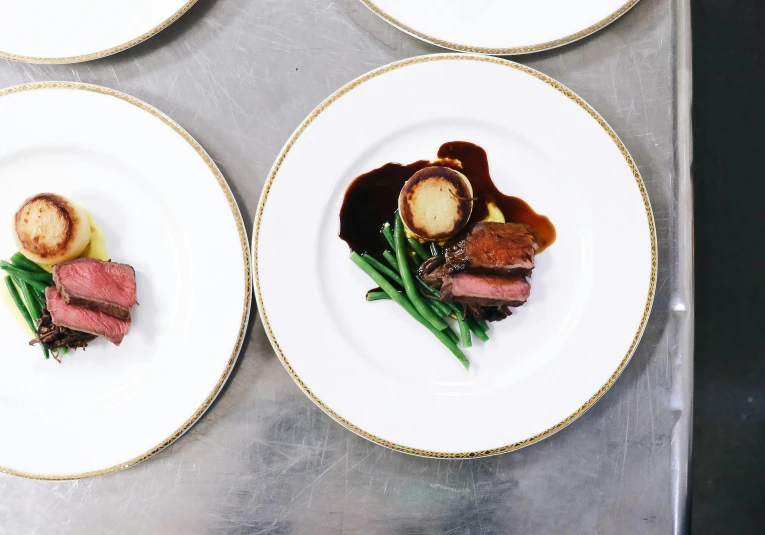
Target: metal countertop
<point x="240" y="76"/>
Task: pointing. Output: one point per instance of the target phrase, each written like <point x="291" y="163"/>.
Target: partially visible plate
<point x="71" y="31"/>
<point x="500" y="27"/>
<point x="369" y="365"/>
<point x="166" y="210"/>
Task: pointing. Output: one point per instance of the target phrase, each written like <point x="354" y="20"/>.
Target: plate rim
<point x="102" y="53"/>
<point x="526" y="49"/>
<point x="247" y="304"/>
<point x="454" y="57"/>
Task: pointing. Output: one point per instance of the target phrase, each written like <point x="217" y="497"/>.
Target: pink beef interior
<point x="487" y="288"/>
<point x="98" y="281"/>
<point x="82" y="319"/>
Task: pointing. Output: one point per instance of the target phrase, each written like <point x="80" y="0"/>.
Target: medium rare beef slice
<point x="83" y="319"/>
<point x="106" y="287"/>
<point x="486" y="289"/>
<point x="506" y="248"/>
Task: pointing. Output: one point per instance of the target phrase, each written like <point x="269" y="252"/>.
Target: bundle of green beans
<point x="399" y="281"/>
<point x="26" y="282"/>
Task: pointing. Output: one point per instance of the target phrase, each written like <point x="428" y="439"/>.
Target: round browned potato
<point x="49" y="229"/>
<point x="435" y="203"/>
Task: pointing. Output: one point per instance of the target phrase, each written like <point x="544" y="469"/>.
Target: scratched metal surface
<point x="240" y="76"/>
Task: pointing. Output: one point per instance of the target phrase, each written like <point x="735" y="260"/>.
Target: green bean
<point x="452" y="335"/>
<point x="407" y="305"/>
<point x="376" y="295"/>
<point x="447" y="306"/>
<point x="19" y="303"/>
<point x="25" y="263"/>
<point x="23" y="309"/>
<point x="431" y="305"/>
<point x="40" y="296"/>
<point x="479" y="333"/>
<point x="441" y="308"/>
<point x="388" y="256"/>
<point x="39" y="287"/>
<point x="453" y="307"/>
<point x="418" y="249"/>
<point x="394" y="263"/>
<point x="25" y="275"/>
<point x="31" y="300"/>
<point x="464" y="332"/>
<point x="383" y="283"/>
<point x="388" y="234"/>
<point x="408" y="279"/>
<point x="458" y="311"/>
<point x="435" y="249"/>
<point x="383" y="269"/>
<point x="476" y="329"/>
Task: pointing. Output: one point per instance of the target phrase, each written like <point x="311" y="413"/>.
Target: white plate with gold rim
<point x="165" y="209"/>
<point x="500" y="27"/>
<point x="369" y="365"/>
<point x="50" y="31"/>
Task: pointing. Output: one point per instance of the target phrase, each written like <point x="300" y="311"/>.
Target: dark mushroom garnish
<point x="55" y="337"/>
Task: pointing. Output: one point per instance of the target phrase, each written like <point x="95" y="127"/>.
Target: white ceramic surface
<point x="78" y="30"/>
<point x="371" y="366"/>
<point x="500" y="26"/>
<point x="164" y="209"/>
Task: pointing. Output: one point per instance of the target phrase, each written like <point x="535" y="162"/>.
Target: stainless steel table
<point x="240" y="76"/>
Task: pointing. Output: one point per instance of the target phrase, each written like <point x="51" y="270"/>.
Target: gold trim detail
<point x="245" y="255"/>
<point x="502" y="51"/>
<point x="455" y="57"/>
<point x="109" y="51"/>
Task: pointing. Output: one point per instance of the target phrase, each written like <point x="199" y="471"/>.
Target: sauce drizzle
<point x="372" y="198"/>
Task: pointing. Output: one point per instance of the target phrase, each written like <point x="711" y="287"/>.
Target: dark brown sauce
<point x="371" y="198"/>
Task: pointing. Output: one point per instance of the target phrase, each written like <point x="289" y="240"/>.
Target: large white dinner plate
<point x="71" y="31"/>
<point x="500" y="26"/>
<point x="369" y="365"/>
<point x="165" y="209"/>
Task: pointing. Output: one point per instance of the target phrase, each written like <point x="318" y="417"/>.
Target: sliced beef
<point x="106" y="287"/>
<point x="506" y="248"/>
<point x="486" y="289"/>
<point x="83" y="319"/>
